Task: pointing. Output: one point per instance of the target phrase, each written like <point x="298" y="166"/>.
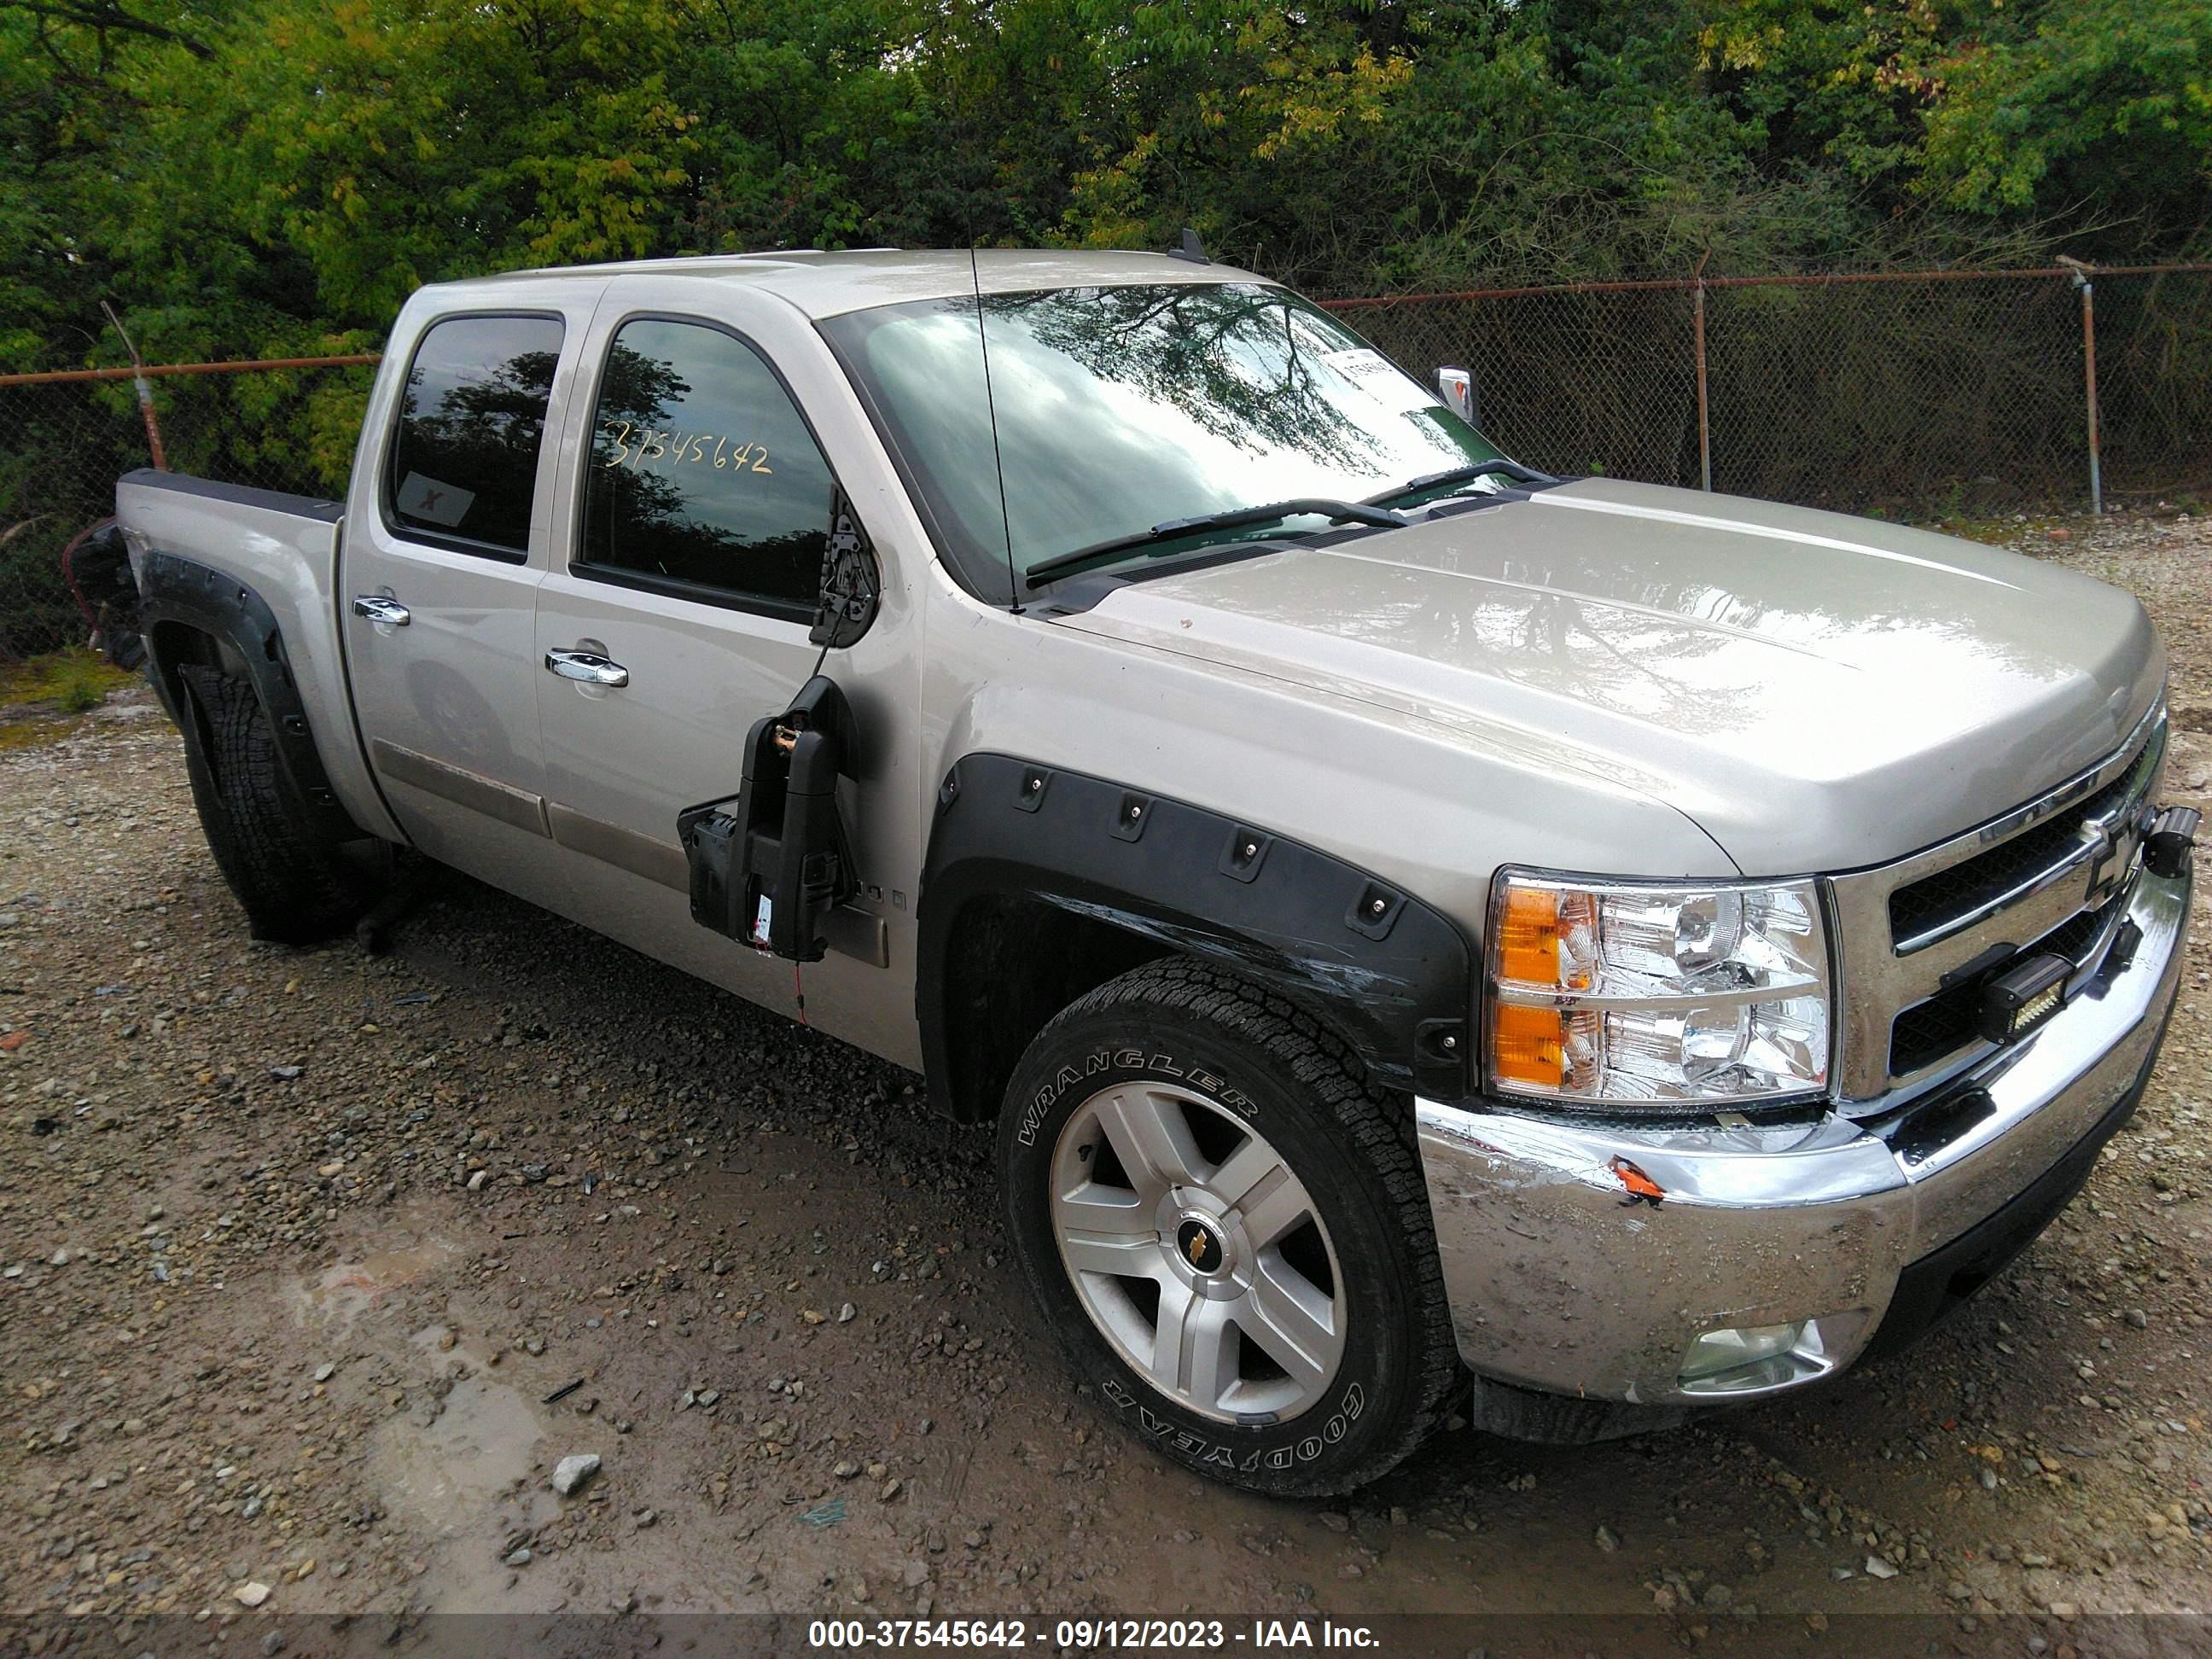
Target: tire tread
<point x="292" y="892"/>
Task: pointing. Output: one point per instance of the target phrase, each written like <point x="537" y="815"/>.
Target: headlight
<point x="1607" y="992"/>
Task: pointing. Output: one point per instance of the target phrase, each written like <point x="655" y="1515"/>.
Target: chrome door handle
<point x="378" y="609"/>
<point x="588" y="667"/>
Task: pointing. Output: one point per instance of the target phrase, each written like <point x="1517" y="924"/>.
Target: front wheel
<point x="1228" y="1229"/>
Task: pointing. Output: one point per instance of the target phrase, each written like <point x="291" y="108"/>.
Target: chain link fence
<point x="1915" y="394"/>
<point x="1924" y="393"/>
<point x="65" y="439"/>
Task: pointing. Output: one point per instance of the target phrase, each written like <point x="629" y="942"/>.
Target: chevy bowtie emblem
<point x="1200" y="1245"/>
<point x="2111" y="856"/>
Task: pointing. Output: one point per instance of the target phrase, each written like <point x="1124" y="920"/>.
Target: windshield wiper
<point x="1236" y="517"/>
<point x="1456" y="475"/>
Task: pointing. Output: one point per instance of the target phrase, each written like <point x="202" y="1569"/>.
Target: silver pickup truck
<point x="1430" y="933"/>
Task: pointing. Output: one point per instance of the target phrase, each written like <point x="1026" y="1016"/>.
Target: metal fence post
<point x="145" y="392"/>
<point x="1698" y="334"/>
<point x="2079" y="272"/>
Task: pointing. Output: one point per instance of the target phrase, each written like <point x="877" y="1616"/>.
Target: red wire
<point x="68" y="571"/>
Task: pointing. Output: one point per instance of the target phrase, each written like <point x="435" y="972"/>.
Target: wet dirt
<point x="482" y="1445"/>
<point x="400" y="1253"/>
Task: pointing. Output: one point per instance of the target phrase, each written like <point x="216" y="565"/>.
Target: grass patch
<point x="77" y="688"/>
<point x="2003" y="530"/>
<point x="72" y="680"/>
<point x="35" y="730"/>
<point x="41" y="698"/>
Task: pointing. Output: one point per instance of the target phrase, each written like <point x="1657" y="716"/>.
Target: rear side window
<point x="465" y="465"/>
<point x="704" y="474"/>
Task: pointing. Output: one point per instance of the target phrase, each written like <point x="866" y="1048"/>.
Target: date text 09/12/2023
<point x="1262" y="1634"/>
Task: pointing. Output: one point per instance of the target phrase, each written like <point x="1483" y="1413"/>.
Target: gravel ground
<point x="316" y="1266"/>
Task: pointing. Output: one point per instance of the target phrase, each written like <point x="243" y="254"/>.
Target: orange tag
<point x="1640" y="1186"/>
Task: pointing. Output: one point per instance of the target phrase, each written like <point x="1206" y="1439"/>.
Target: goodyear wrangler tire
<point x="1228" y="1231"/>
<point x="293" y="889"/>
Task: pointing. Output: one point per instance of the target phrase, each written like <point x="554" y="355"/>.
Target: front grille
<point x="1932" y="1030"/>
<point x="1934" y="902"/>
<point x="1916" y="936"/>
<point x="1927" y="1031"/>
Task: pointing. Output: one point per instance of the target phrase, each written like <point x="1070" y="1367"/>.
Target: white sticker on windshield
<point x="1379" y="378"/>
<point x="429" y="502"/>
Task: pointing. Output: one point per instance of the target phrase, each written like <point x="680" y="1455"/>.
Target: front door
<point x="678" y="617"/>
<point x="441" y="586"/>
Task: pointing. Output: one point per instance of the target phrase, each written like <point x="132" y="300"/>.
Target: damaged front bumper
<point x="1777" y="1255"/>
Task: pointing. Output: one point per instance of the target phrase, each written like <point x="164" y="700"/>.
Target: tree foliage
<point x="245" y="176"/>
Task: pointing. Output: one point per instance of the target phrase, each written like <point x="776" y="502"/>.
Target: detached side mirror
<point x="852" y="581"/>
<point x="769" y="874"/>
<point x="1457" y="385"/>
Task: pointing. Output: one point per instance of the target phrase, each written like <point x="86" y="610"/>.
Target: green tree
<point x="245" y="176"/>
<point x="2103" y="109"/>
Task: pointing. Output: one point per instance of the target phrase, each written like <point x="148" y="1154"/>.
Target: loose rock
<point x="571" y="1473"/>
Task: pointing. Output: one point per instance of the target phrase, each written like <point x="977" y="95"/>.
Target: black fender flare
<point x="176" y="592"/>
<point x="1392" y="975"/>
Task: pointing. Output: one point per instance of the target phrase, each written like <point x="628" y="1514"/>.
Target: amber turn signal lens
<point x="1528" y="936"/>
<point x="1533" y="935"/>
<point x="1528" y="1045"/>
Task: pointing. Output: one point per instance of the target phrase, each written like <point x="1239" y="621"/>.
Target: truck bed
<point x="281" y="549"/>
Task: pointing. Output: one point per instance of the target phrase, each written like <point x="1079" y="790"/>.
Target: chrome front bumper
<point x="1560" y="1280"/>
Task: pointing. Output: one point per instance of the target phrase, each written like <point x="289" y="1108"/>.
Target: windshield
<point x="1122" y="408"/>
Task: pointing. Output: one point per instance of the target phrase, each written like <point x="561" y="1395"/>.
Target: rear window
<point x="471" y="421"/>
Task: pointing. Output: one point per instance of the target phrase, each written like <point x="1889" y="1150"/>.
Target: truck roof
<point x="829" y="284"/>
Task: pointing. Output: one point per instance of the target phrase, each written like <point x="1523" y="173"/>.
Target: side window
<point x="703" y="470"/>
<point x="464" y="463"/>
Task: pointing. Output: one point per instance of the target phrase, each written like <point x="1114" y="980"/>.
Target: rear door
<point x="441" y="575"/>
<point x="702" y="501"/>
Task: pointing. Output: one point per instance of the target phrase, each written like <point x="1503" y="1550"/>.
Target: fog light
<point x="1717" y="1352"/>
<point x="1743" y="1362"/>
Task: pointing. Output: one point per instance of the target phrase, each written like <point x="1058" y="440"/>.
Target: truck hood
<point x="1817" y="692"/>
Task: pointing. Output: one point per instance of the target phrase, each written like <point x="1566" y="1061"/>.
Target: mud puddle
<point x="446" y="1473"/>
<point x="409" y="1249"/>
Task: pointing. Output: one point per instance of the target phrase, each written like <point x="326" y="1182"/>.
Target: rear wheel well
<point x="1012" y="963"/>
<point x="177" y="643"/>
<point x="171" y="646"/>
